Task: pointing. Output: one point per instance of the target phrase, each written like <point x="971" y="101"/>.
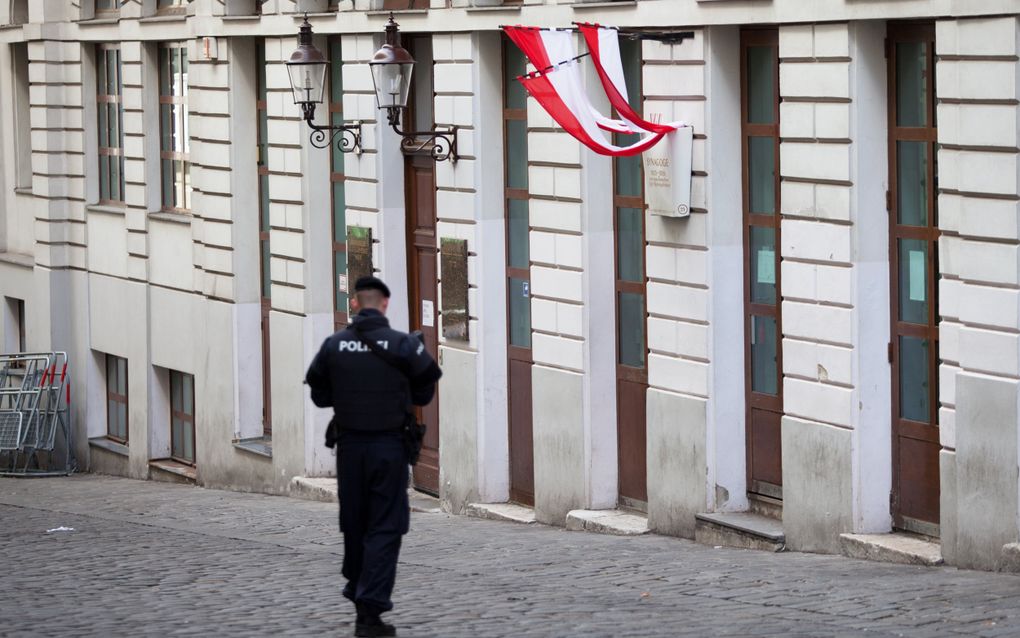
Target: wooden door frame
<point x="514" y="353"/>
<point x="912" y="31"/>
<point x="759" y="37"/>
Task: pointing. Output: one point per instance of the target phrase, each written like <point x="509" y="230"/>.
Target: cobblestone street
<point x="148" y="558"/>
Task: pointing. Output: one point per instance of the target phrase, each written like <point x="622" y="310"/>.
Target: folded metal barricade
<point x="35" y="398"/>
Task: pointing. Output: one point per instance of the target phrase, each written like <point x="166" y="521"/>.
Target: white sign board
<point x="668" y="174"/>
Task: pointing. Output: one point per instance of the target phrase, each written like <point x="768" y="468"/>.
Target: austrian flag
<point x="556" y="85"/>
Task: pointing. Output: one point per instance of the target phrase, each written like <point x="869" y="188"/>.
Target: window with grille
<point x="116" y="399"/>
<point x="182" y="417"/>
<point x="110" y="106"/>
<point x="171" y="7"/>
<point x="173" y="123"/>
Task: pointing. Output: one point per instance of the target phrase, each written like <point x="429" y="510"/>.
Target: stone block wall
<point x="978" y="87"/>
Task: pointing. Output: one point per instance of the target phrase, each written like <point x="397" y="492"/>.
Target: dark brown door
<point x="518" y="277"/>
<point x="759" y="71"/>
<point x="913" y="266"/>
<point x="631" y="344"/>
<point x="421" y="279"/>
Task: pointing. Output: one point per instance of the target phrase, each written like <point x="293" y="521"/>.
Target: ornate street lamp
<point x="392" y="67"/>
<point x="307" y="69"/>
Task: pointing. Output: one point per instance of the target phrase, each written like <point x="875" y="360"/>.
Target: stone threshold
<point x="259" y="446"/>
<point x="506" y="512"/>
<point x="324" y="490"/>
<point x="616" y="522"/>
<point x="906" y="549"/>
<point x="176" y="468"/>
<point x="747" y="530"/>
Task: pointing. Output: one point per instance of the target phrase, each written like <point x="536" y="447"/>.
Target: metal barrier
<point x="35" y="400"/>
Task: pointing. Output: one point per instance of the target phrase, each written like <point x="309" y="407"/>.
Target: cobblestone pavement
<point x="150" y="558"/>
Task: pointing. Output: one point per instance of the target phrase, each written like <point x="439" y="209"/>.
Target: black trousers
<point x="374" y="514"/>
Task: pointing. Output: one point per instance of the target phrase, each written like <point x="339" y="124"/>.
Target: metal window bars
<point x="35" y="399"/>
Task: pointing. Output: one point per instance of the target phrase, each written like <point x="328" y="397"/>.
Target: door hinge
<point x="888" y="202"/>
<point x="889" y="352"/>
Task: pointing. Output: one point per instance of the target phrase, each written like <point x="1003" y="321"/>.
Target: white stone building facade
<point x="832" y="335"/>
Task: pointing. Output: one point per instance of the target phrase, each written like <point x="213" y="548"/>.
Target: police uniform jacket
<point x="366" y="392"/>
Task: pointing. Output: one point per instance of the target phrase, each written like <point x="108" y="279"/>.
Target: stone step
<point x="507" y="512"/>
<point x="905" y="549"/>
<point x="618" y="522"/>
<point x="325" y="490"/>
<point x="740" y="529"/>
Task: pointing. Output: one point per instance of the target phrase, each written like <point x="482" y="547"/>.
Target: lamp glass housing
<point x="392" y="80"/>
<point x="307" y="81"/>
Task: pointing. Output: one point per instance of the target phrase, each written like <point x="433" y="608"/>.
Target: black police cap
<point x="371" y="283"/>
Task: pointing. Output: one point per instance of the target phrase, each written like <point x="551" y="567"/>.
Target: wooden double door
<point x="422" y="255"/>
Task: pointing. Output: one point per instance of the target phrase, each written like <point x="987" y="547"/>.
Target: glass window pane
<point x="912" y="183"/>
<point x="628" y="172"/>
<point x="336" y="69"/>
<point x="518" y="227"/>
<point x="761" y="175"/>
<point x="100" y="70"/>
<point x="911" y="83"/>
<point x="630" y="58"/>
<point x="111" y="417"/>
<point x="340" y="271"/>
<point x="175" y="391"/>
<point x="339" y="213"/>
<point x="164" y="71"/>
<point x="168" y="183"/>
<point x="516" y="154"/>
<point x="913" y="280"/>
<point x="189" y="441"/>
<point x="514" y="65"/>
<point x="764" y="370"/>
<point x="122" y="376"/>
<point x="189" y="397"/>
<point x="115" y="179"/>
<point x="122" y="420"/>
<point x="104" y="177"/>
<point x="520" y="313"/>
<point x="267" y="284"/>
<point x="761" y="99"/>
<point x="104" y="134"/>
<point x="111" y="73"/>
<point x="630" y="244"/>
<point x="631" y="329"/>
<point x="763" y="265"/>
<point x="176" y="438"/>
<point x="914" y="378"/>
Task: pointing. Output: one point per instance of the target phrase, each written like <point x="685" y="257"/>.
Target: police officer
<point x="371" y="397"/>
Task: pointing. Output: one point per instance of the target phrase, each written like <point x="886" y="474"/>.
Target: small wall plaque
<point x="454" y="262"/>
<point x="359" y="252"/>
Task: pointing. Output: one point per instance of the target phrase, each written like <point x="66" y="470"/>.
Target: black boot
<point x="370" y="624"/>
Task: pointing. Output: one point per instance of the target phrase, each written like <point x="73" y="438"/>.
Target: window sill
<point x="179" y="17"/>
<point x="18" y="259"/>
<point x="173" y="218"/>
<point x="260" y="446"/>
<point x="97" y="21"/>
<point x="107" y="209"/>
<point x="23" y="190"/>
<point x="386" y="12"/>
<point x="507" y="8"/>
<point x="174" y="467"/>
<point x="252" y="18"/>
<point x="109" y="445"/>
<point x="603" y="5"/>
<point x="297" y="15"/>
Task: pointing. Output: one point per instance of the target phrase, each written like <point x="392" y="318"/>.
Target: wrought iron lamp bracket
<point x="347" y="136"/>
<point x="441" y="142"/>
